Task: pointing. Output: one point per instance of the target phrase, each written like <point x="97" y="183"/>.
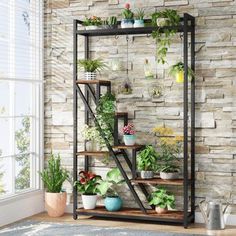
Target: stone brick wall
<point x="215" y="84"/>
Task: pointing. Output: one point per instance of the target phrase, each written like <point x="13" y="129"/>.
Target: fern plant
<point x="54" y="175"/>
<point x="91" y="65"/>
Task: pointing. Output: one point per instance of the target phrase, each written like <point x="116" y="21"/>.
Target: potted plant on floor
<point x="177" y="71"/>
<point x="87" y="186"/>
<point x="139" y="21"/>
<point x="168" y="17"/>
<point x="129" y="134"/>
<point x="162" y="200"/>
<point x="170" y="147"/>
<point x="128" y="15"/>
<point x="53" y="177"/>
<point x="107" y="188"/>
<point x="91" y="67"/>
<point x="92" y="23"/>
<point x="147" y="162"/>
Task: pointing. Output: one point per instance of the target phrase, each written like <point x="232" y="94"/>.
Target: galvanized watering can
<point x="214" y="214"/>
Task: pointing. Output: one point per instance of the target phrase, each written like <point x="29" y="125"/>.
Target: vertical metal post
<point x="98" y="93"/>
<point x="133" y="163"/>
<point x="193" y="119"/>
<point x="74" y="118"/>
<point x="185" y="123"/>
<point x="115" y="129"/>
<point x="86" y="92"/>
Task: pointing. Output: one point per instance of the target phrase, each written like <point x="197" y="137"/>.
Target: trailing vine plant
<point x="164" y="34"/>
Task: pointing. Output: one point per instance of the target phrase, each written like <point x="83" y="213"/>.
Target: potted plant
<point x="87" y="186"/>
<point x="107" y="189"/>
<point x="105" y="113"/>
<point x="91" y="67"/>
<point x="129" y="134"/>
<point x="177" y="71"/>
<point x="126" y="87"/>
<point x="170" y="147"/>
<point x="147" y="162"/>
<point x="92" y="23"/>
<point x="128" y="15"/>
<point x="162" y="200"/>
<point x="139" y="15"/>
<point x="112" y="22"/>
<point x="53" y="177"/>
<point x="168" y="17"/>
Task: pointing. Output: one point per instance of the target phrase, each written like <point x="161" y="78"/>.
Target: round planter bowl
<point x="171" y="175"/>
<point x="113" y="203"/>
<point x="55" y="203"/>
<point x="89" y="201"/>
<point x="90" y="75"/>
<point x="138" y="23"/>
<point x="129" y="140"/>
<point x="126" y="23"/>
<point x="160" y="210"/>
<point x="179" y="77"/>
<point x="146" y="174"/>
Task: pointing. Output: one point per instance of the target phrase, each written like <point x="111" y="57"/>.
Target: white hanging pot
<point x="90" y="75"/>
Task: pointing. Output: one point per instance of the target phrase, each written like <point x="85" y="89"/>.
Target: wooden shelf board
<point x="97" y="154"/>
<point x="157" y="181"/>
<point x="133" y="213"/>
<point x="123" y="146"/>
<point x="121" y="113"/>
<point x="101" y="82"/>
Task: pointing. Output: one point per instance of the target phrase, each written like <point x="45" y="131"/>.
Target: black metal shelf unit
<point x="187" y="27"/>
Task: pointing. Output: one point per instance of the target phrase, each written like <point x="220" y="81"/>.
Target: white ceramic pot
<point x="55" y="203"/>
<point x="160" y="210"/>
<point x="90" y="75"/>
<point x="146" y="174"/>
<point x="89" y="201"/>
<point x="91" y="27"/>
<point x="171" y="175"/>
<point x="129" y="140"/>
<point x="126" y="23"/>
<point x="138" y="23"/>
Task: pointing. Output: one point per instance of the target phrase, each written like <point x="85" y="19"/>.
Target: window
<point x="20" y="95"/>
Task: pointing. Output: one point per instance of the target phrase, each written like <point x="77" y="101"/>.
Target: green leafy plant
<point x="94" y="20"/>
<point x="112" y="20"/>
<point x="107" y="187"/>
<point x="179" y="67"/>
<point x="161" y="198"/>
<point x="90" y="65"/>
<point x="163" y="35"/>
<point x="170" y="147"/>
<point x="105" y="115"/>
<point x="53" y="176"/>
<point x="139" y="14"/>
<point x="127" y="13"/>
<point x="87" y="183"/>
<point x="147" y="159"/>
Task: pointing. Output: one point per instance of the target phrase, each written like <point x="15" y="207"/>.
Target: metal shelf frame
<point x="187" y="28"/>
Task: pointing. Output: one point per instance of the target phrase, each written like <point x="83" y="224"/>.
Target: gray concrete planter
<point x="146" y="174"/>
<point x="170" y="175"/>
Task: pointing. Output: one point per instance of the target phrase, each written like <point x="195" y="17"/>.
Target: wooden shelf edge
<point x="123" y="146"/>
<point x="156" y="181"/>
<point x="88" y="153"/>
<point x="102" y="82"/>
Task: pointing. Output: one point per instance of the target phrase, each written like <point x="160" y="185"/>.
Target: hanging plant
<point x="177" y="71"/>
<point x="168" y="17"/>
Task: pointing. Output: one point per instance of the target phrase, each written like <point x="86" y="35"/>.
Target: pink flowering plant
<point x="127" y="13"/>
<point x="128" y="129"/>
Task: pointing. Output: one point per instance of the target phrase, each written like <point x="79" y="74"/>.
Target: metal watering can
<point x="214" y="214"/>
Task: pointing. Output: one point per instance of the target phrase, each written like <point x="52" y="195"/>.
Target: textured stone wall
<point x="215" y="84"/>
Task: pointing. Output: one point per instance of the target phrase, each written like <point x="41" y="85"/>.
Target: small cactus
<point x="112" y="20"/>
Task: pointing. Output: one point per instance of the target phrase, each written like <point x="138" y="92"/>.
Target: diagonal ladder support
<point x="136" y="197"/>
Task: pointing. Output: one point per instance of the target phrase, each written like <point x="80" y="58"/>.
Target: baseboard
<point x="21" y="207"/>
<point x="231" y="219"/>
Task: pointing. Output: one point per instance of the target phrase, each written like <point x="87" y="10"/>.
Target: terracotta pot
<point x="160" y="210"/>
<point x="55" y="203"/>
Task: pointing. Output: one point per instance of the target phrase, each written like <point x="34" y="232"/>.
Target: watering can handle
<point x="203" y="211"/>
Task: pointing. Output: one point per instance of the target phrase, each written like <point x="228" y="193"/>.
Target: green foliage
<point x="139" y="15"/>
<point x="90" y="65"/>
<point x="127" y="14"/>
<point x="162" y="199"/>
<point x="179" y="67"/>
<point x="22" y="137"/>
<point x="88" y="182"/>
<point x="108" y="186"/>
<point x="94" y="20"/>
<point x="54" y="175"/>
<point x="147" y="159"/>
<point x="105" y="115"/>
<point x="112" y="20"/>
<point x="163" y="35"/>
